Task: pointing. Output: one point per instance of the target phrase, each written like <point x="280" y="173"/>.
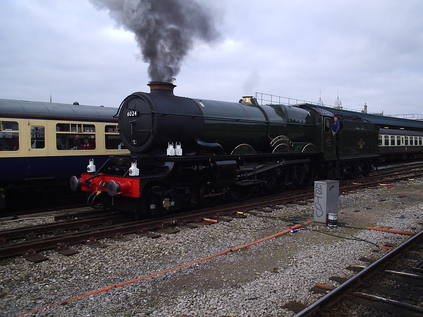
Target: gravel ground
<point x="256" y="281"/>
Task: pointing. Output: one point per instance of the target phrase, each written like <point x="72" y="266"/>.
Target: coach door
<point x="328" y="140"/>
<point x="37" y="165"/>
<point x="36" y="135"/>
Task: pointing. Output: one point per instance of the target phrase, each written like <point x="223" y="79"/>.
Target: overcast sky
<point x="365" y="51"/>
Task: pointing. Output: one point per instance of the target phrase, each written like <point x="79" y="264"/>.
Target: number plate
<point x="132" y="113"/>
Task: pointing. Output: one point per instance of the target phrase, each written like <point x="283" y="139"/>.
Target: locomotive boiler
<point x="149" y="122"/>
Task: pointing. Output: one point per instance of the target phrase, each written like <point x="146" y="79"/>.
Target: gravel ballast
<point x="256" y="281"/>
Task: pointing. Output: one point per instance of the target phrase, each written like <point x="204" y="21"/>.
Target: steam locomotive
<point x="185" y="152"/>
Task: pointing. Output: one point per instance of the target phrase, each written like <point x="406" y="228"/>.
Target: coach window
<point x="9" y="136"/>
<point x="421" y="141"/>
<point x="112" y="138"/>
<point x="392" y="140"/>
<point x="406" y="140"/>
<point x="383" y="140"/>
<point x="380" y="140"/>
<point x="398" y="140"/>
<point x="37" y="137"/>
<point x="75" y="136"/>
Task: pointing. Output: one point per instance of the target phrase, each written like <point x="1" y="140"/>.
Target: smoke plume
<point x="165" y="30"/>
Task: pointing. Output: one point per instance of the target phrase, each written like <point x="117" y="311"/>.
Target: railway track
<point x="390" y="286"/>
<point x="29" y="241"/>
<point x="97" y="228"/>
<point x="49" y="199"/>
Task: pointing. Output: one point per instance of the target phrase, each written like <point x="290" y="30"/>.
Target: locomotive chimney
<point x="161" y="87"/>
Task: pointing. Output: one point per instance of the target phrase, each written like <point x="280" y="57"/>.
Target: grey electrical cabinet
<point x="326" y="199"/>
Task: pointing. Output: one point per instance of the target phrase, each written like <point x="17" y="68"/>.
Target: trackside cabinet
<point x="326" y="199"/>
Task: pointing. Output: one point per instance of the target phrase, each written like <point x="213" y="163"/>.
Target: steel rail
<point x="56" y="226"/>
<point x="341" y="289"/>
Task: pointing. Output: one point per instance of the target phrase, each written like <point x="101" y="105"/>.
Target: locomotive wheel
<point x="358" y="169"/>
<point x="272" y="181"/>
<point x="366" y="169"/>
<point x="285" y="177"/>
<point x="242" y="193"/>
<point x="197" y="193"/>
<point x="235" y="194"/>
<point x="299" y="174"/>
<point x="154" y="197"/>
<point x="333" y="171"/>
<point x="140" y="211"/>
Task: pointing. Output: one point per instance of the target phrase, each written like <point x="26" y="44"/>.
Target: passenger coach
<point x="42" y="141"/>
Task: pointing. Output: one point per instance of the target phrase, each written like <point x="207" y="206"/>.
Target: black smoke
<point x="165" y="30"/>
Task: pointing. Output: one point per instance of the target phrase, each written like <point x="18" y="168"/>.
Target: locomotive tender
<point x="186" y="151"/>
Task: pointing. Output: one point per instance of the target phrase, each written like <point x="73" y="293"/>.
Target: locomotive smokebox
<point x="149" y="121"/>
<point x="161" y="87"/>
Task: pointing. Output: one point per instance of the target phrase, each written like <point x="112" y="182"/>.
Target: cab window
<point x="327" y="124"/>
<point x="75" y="136"/>
<point x="112" y="138"/>
<point x="9" y="136"/>
<point x="37" y="137"/>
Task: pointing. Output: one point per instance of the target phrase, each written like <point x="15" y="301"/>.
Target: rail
<point x="313" y="308"/>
